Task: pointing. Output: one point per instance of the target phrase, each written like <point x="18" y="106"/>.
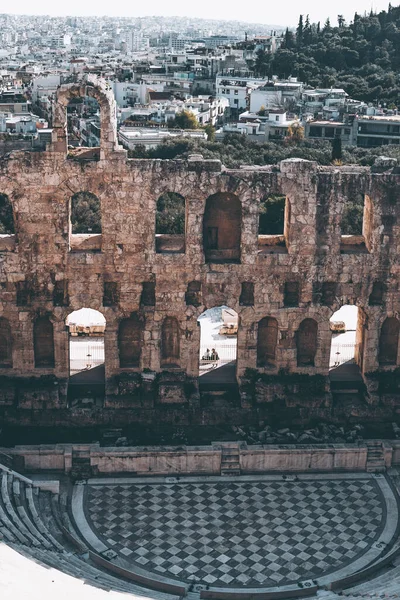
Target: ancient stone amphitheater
<point x="228" y="521"/>
<point x="225" y="521"/>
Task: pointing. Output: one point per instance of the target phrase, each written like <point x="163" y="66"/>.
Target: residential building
<point x="328" y="130"/>
<point x="150" y="137"/>
<point x="276" y="94"/>
<point x="377" y="130"/>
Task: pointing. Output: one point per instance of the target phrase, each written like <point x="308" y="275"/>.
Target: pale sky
<point x="260" y="11"/>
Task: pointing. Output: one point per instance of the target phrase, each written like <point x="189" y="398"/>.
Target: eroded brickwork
<point x="46" y="273"/>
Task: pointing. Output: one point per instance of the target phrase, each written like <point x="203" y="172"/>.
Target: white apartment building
<point x="276" y="93"/>
<point x="237" y="90"/>
<point x="314" y="100"/>
<point x="150" y="137"/>
<point x="204" y="109"/>
<point x="45" y="85"/>
<point x="128" y="93"/>
<point x="136" y="41"/>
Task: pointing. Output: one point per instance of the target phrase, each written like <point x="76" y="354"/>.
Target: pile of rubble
<point x="323" y="433"/>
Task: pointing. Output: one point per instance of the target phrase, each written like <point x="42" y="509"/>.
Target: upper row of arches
<point x="222" y="222"/>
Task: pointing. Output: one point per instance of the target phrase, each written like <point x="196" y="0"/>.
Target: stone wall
<point x="198" y="460"/>
<point x="46" y="272"/>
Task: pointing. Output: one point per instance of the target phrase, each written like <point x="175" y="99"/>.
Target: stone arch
<point x="130" y="341"/>
<point x="306" y="342"/>
<point x="95" y="88"/>
<point x="5" y="343"/>
<point x="85" y="213"/>
<point x="170" y="342"/>
<point x="267" y="338"/>
<point x="222" y="223"/>
<point x="389" y="341"/>
<point x="7" y="226"/>
<point x="170" y="223"/>
<point x="43" y="342"/>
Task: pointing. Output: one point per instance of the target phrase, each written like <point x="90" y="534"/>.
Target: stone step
<point x="10" y="502"/>
<point x="230" y="459"/>
<point x="375" y="584"/>
<point x="230" y="467"/>
<point x="19" y="493"/>
<point x="30" y="494"/>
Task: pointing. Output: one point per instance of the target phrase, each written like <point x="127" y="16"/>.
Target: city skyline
<point x="273" y="15"/>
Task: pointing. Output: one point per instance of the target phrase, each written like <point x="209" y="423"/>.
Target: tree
<point x="272" y="215"/>
<point x="210" y="131"/>
<point x="299" y="32"/>
<point x="184" y="120"/>
<point x="170" y="215"/>
<point x="263" y="63"/>
<point x="341" y="21"/>
<point x="85" y="213"/>
<point x="336" y="149"/>
<point x="288" y="40"/>
<point x="295" y="132"/>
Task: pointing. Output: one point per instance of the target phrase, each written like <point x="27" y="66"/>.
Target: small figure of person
<point x="206" y="356"/>
<point x="214" y="357"/>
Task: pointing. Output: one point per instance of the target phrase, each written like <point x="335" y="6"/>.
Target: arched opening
<point x="170" y="223"/>
<point x="7" y="228"/>
<point x="356" y="224"/>
<point x="306" y="342"/>
<point x="273" y="224"/>
<point x="83" y="128"/>
<point x="130" y="341"/>
<point x="346" y="361"/>
<point x="85" y="224"/>
<point x="343" y="325"/>
<point x="267" y="339"/>
<point x="6" y="216"/>
<point x="389" y="341"/>
<point x="5" y="344"/>
<point x="170" y="343"/>
<point x="43" y="343"/>
<point x="222" y="228"/>
<point x="218" y="345"/>
<point x="86" y="329"/>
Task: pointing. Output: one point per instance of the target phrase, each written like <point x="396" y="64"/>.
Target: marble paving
<point x="238" y="532"/>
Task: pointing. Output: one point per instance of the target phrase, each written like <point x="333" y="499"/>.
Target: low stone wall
<point x="324" y="457"/>
<point x="202" y="460"/>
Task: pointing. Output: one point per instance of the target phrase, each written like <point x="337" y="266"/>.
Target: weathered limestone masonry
<point x="46" y="272"/>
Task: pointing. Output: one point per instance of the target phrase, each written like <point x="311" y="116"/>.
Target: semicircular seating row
<point x="35" y="522"/>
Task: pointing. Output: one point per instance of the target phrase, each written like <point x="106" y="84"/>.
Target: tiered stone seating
<point x="36" y="523"/>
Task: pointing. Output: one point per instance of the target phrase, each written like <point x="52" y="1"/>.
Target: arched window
<point x="307" y="342"/>
<point x="5" y="343"/>
<point x="130" y="334"/>
<point x="222" y="228"/>
<point x="353" y="215"/>
<point x="272" y="215"/>
<point x="85" y="213"/>
<point x="266" y="341"/>
<point x="43" y="342"/>
<point x="170" y="342"/>
<point x="83" y="127"/>
<point x="389" y="341"/>
<point x="6" y="216"/>
<point x="273" y="224"/>
<point x="170" y="223"/>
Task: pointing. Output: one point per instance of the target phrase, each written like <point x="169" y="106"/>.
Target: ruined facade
<point x="151" y="289"/>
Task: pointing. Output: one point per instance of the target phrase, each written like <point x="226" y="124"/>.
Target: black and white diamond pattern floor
<point x="244" y="533"/>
